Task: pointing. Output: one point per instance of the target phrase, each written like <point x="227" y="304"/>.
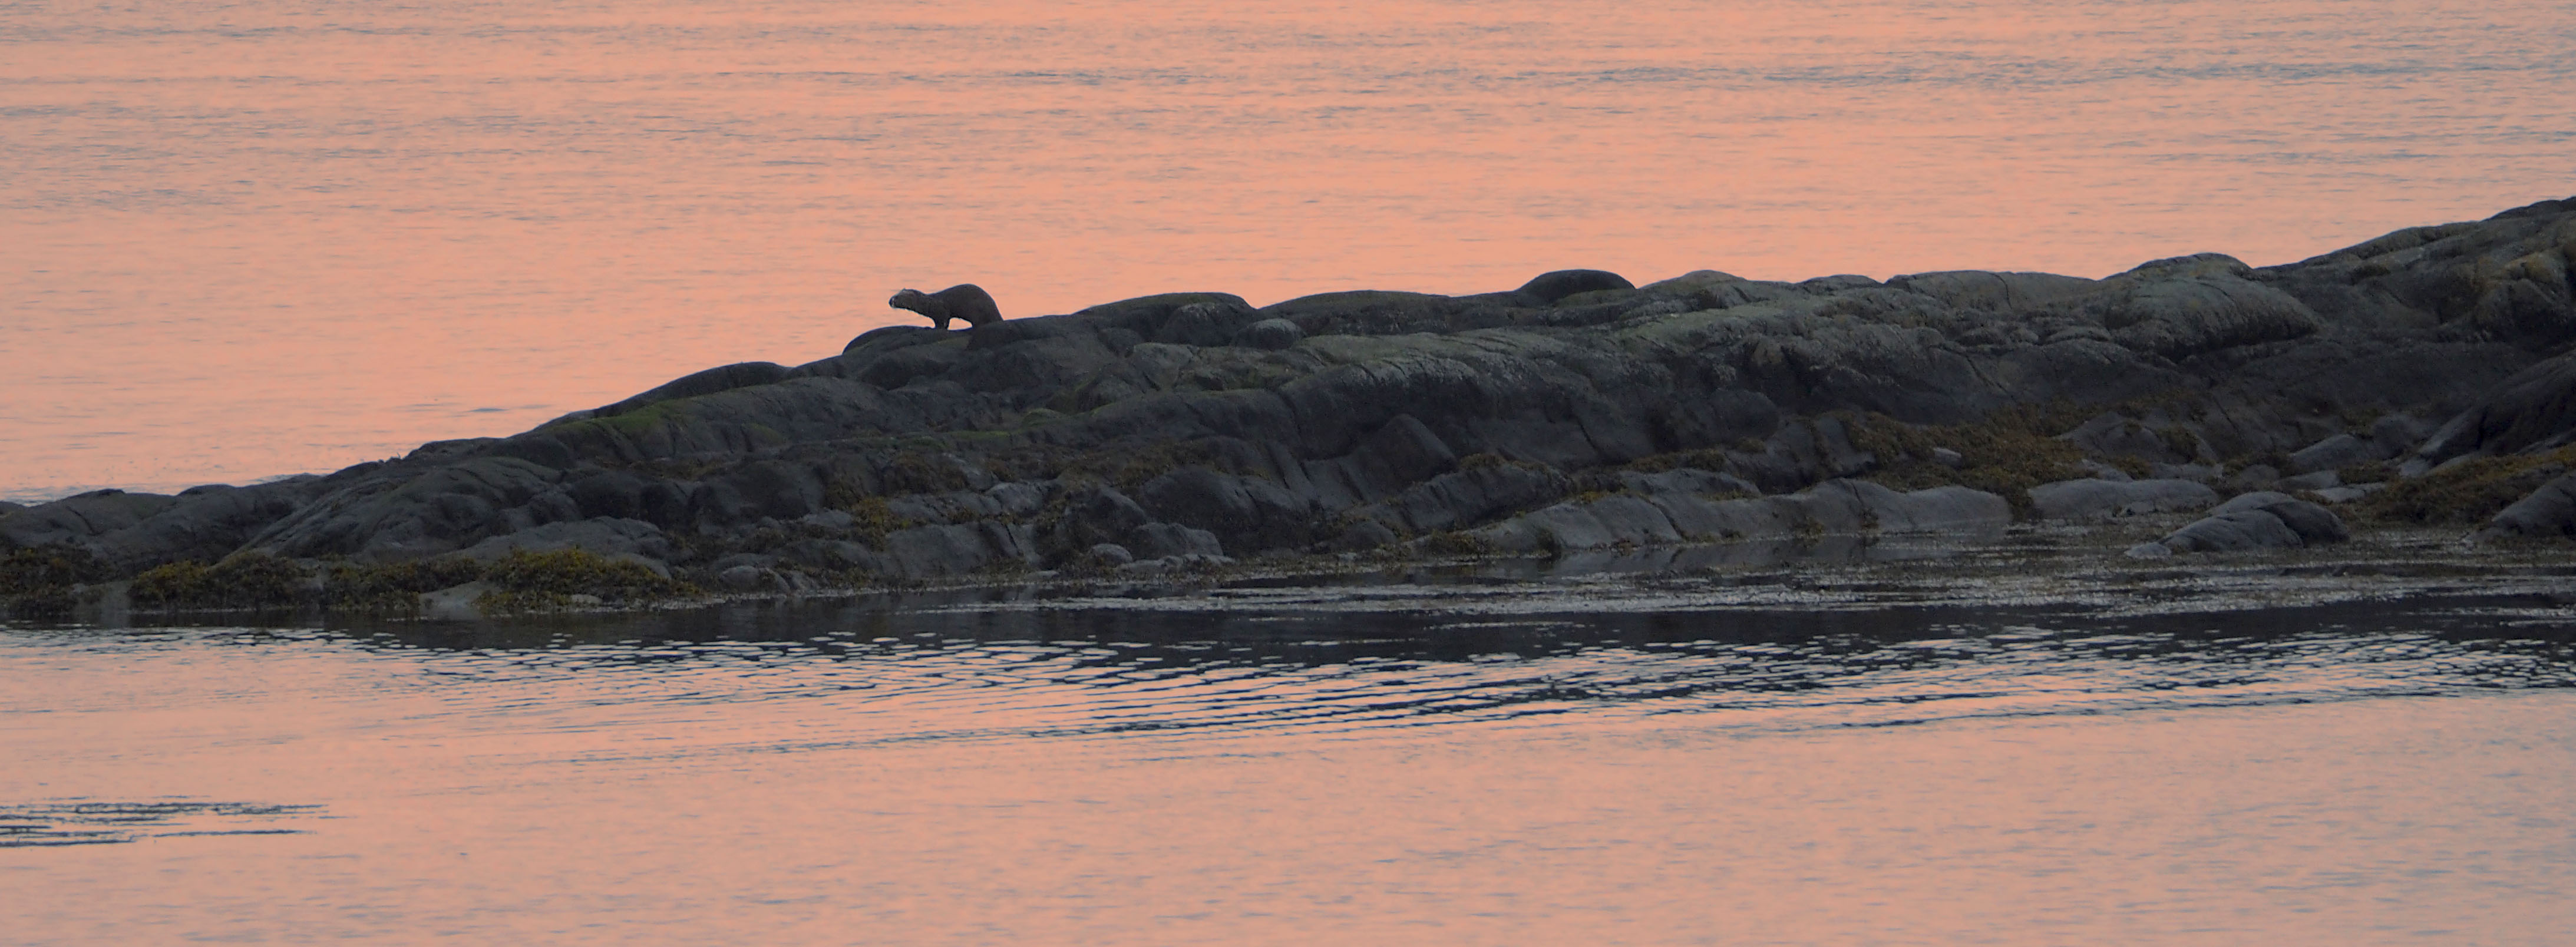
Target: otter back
<point x="963" y="301"/>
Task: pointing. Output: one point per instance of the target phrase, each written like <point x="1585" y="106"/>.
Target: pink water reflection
<point x="599" y="808"/>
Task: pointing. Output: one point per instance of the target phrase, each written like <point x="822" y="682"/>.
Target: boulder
<point x="2548" y="512"/>
<point x="2262" y="520"/>
<point x="1272" y="334"/>
<point x="2336" y="453"/>
<point x="2533" y="410"/>
<point x="2097" y="499"/>
<point x="1553" y="286"/>
<point x="1163" y="540"/>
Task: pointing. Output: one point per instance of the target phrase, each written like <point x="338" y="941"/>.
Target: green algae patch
<point x="2466" y="493"/>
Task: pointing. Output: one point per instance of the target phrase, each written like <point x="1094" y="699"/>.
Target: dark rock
<point x="206" y="524"/>
<point x="2532" y="411"/>
<point x="744" y="578"/>
<point x="2263" y="520"/>
<point x="2319" y="480"/>
<point x="2335" y="453"/>
<point x="2234" y="531"/>
<point x="1550" y="287"/>
<point x="1242" y="512"/>
<point x="1845" y="507"/>
<point x="2547" y="512"/>
<point x="710" y="381"/>
<point x="1162" y="540"/>
<point x="76" y="520"/>
<point x="2095" y="499"/>
<point x="1272" y="334"/>
<point x="606" y="537"/>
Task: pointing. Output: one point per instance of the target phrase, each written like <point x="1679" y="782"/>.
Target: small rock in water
<point x="744" y="578"/>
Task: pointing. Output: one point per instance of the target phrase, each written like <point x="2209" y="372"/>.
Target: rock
<point x="606" y="537"/>
<point x="1553" y="286"/>
<point x="959" y="548"/>
<point x="2111" y="434"/>
<point x="2336" y="453"/>
<point x="1363" y="535"/>
<point x="913" y="453"/>
<point x="1160" y="540"/>
<point x="1688" y="480"/>
<point x="1208" y="323"/>
<point x="1241" y="512"/>
<point x="2103" y="471"/>
<point x="454" y="603"/>
<point x="2548" y="512"/>
<point x="743" y="578"/>
<point x="1844" y="507"/>
<point x="77" y="520"/>
<point x="2096" y="499"/>
<point x="2187" y="306"/>
<point x="2263" y="520"/>
<point x="2349" y="494"/>
<point x="1465" y="498"/>
<point x="1109" y="555"/>
<point x="710" y="381"/>
<point x="2534" y="410"/>
<point x="2230" y="532"/>
<point x="2319" y="480"/>
<point x="1272" y="334"/>
<point x="2254" y="477"/>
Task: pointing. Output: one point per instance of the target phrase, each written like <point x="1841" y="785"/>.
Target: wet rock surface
<point x="1578" y="412"/>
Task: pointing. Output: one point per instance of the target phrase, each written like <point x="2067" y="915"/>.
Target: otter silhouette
<point x="963" y="301"/>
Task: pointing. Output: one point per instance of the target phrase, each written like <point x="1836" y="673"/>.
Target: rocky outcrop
<point x="2262" y="520"/>
<point x="1574" y="411"/>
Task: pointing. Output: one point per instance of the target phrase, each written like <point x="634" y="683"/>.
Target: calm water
<point x="247" y="239"/>
<point x="1498" y="762"/>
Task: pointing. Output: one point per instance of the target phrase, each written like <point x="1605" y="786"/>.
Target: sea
<point x="243" y="240"/>
<point x="1851" y="749"/>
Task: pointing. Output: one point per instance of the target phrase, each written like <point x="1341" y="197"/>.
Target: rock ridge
<point x="1576" y="412"/>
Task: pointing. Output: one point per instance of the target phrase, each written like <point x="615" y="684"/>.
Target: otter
<point x="963" y="301"/>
